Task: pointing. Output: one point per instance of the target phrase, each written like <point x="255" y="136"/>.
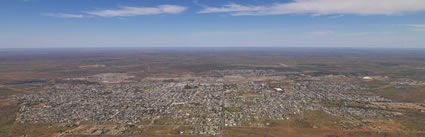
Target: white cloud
<point x="64" y="15"/>
<point x="416" y="27"/>
<point x="135" y="11"/>
<point x="323" y="7"/>
<point x="335" y="17"/>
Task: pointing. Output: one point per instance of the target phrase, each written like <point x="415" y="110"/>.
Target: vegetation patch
<point x="302" y="123"/>
<point x="233" y="109"/>
<point x="147" y="87"/>
<point x="413" y="121"/>
<point x="253" y="97"/>
<point x="413" y="95"/>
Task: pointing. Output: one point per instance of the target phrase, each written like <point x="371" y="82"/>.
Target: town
<point x="204" y="104"/>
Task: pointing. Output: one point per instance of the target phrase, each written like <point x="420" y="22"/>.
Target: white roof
<point x="367" y="77"/>
<point x="278" y="89"/>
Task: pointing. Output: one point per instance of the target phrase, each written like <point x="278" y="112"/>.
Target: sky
<point x="212" y="23"/>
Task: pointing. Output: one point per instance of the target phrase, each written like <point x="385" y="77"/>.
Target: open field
<point x="23" y="65"/>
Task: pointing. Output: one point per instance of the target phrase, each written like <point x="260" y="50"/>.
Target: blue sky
<point x="212" y="23"/>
